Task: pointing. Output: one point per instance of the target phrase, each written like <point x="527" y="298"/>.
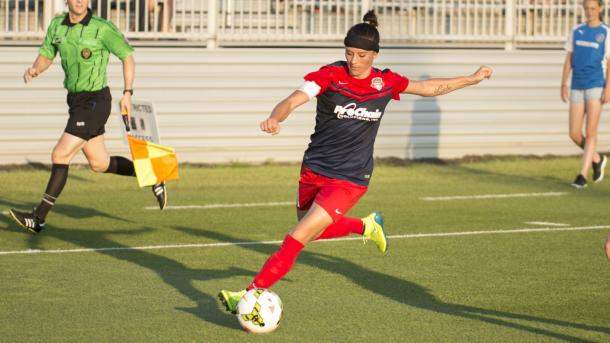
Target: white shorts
<point x="584" y="95"/>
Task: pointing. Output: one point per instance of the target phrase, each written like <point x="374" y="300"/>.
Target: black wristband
<point x="130" y="91"/>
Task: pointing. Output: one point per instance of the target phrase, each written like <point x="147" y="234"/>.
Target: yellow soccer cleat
<point x="373" y="230"/>
<point x="230" y="299"/>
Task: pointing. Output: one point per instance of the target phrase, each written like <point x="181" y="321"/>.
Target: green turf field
<point x="512" y="287"/>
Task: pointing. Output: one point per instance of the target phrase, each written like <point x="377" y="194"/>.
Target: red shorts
<point x="333" y="195"/>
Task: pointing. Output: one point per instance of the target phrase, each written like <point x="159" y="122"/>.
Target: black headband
<point x="354" y="41"/>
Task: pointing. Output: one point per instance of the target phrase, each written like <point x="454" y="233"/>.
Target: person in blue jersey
<point x="588" y="49"/>
<point x="338" y="164"/>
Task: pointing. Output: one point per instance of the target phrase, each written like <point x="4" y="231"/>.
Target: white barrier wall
<point x="210" y="102"/>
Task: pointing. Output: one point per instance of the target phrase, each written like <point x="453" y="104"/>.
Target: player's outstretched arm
<point x="441" y="86"/>
<point x="40" y="65"/>
<point x="282" y="111"/>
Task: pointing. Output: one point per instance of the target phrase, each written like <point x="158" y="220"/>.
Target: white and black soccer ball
<point x="259" y="311"/>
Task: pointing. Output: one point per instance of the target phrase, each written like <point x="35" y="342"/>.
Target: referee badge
<point x="377" y="83"/>
<point x="86" y="53"/>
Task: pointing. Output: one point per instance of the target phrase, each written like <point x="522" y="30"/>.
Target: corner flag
<point x="153" y="163"/>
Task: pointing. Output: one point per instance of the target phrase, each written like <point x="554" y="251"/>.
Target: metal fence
<point x="475" y="23"/>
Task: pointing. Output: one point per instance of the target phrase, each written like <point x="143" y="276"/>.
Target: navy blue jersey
<point x="589" y="47"/>
<point x="348" y="114"/>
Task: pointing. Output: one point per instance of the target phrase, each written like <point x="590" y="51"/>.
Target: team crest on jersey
<point x="377" y="83"/>
<point x="57" y="40"/>
<point x="86" y="53"/>
<point x="600" y="38"/>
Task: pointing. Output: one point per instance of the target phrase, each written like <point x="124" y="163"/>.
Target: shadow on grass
<point x="548" y="182"/>
<point x="410" y="293"/>
<point x="68" y="210"/>
<point x="47" y="167"/>
<point x="173" y="273"/>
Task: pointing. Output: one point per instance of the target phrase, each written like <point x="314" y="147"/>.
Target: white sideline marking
<point x="253" y="204"/>
<point x="547" y="224"/>
<point x="495" y="196"/>
<point x="224" y="244"/>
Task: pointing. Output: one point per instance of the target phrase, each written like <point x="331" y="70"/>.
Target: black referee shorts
<point x="89" y="112"/>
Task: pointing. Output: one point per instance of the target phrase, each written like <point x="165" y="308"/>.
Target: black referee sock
<point x="57" y="181"/>
<point x="121" y="166"/>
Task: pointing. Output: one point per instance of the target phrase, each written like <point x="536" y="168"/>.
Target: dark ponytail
<point x="364" y="35"/>
<point x="371" y="18"/>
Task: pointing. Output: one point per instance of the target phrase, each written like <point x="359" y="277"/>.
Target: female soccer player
<point x="587" y="53"/>
<point x="338" y="164"/>
<point x="84" y="43"/>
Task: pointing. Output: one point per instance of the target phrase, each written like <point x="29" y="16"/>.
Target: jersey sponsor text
<point x="350" y="111"/>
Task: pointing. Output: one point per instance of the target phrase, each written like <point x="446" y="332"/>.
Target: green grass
<point x="536" y="286"/>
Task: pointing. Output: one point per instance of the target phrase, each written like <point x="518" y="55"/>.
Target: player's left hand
<point x="605" y="95"/>
<point x="484" y="72"/>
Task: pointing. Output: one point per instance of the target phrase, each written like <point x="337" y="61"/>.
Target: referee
<point x="84" y="43"/>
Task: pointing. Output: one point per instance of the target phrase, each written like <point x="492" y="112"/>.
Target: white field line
<point x="210" y="206"/>
<point x="286" y="203"/>
<point x="495" y="196"/>
<point x="224" y="244"/>
<point x="547" y="224"/>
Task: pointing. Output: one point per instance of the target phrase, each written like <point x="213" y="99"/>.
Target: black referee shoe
<point x="598" y="169"/>
<point x="28" y="221"/>
<point x="160" y="193"/>
<point x="579" y="182"/>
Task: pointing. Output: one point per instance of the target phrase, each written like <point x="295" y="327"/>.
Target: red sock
<point x="343" y="227"/>
<point x="278" y="264"/>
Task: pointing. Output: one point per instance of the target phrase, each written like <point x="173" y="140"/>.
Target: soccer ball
<point x="259" y="311"/>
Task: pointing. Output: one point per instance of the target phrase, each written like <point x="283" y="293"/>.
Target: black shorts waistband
<point x="103" y="90"/>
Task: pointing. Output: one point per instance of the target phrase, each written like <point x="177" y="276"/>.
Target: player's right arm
<point x="41" y="64"/>
<point x="564" y="91"/>
<point x="567" y="68"/>
<point x="46" y="54"/>
<point x="282" y="110"/>
<point x="315" y="84"/>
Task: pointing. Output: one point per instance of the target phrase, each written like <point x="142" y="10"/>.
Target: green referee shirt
<point x="84" y="49"/>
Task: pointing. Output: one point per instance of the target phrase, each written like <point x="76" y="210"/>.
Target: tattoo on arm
<point x="442" y="89"/>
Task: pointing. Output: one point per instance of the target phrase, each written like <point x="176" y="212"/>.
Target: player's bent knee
<point x="60" y="156"/>
<point x="98" y="167"/>
<point x="576" y="137"/>
<point x="591" y="135"/>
